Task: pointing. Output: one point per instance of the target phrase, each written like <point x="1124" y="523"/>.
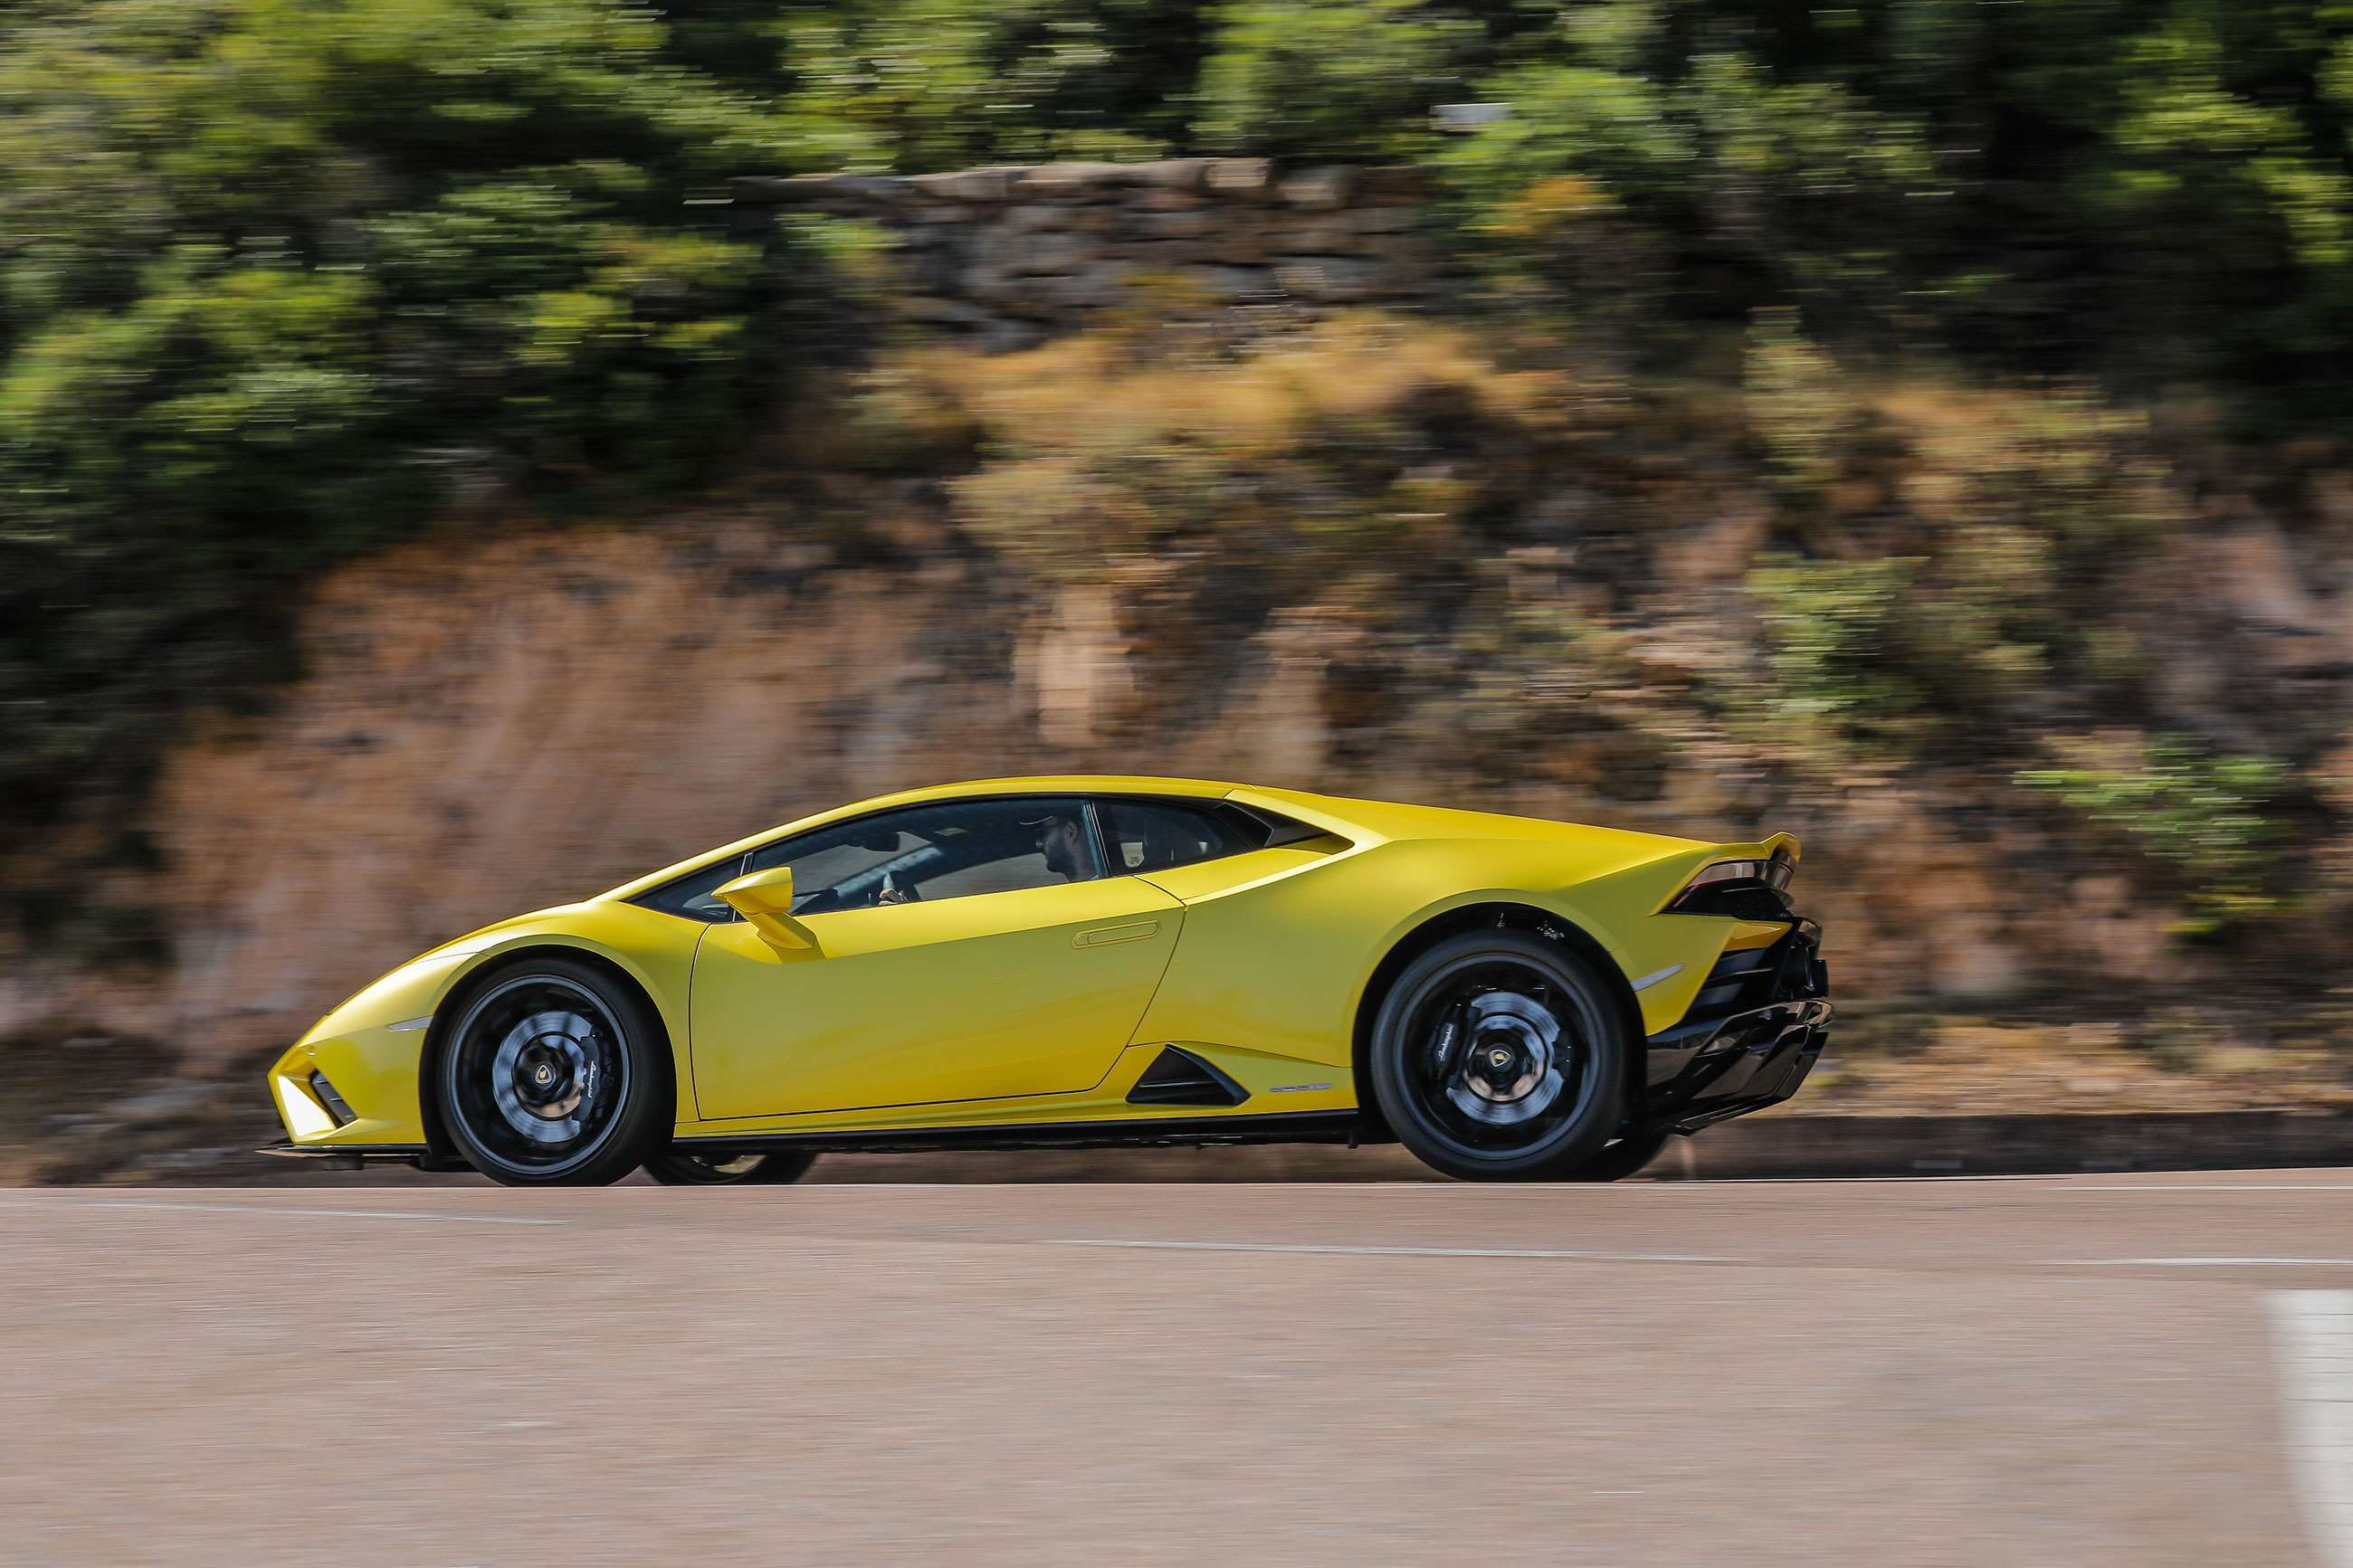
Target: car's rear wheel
<point x="675" y="1167"/>
<point x="552" y="1076"/>
<point x="1500" y="1056"/>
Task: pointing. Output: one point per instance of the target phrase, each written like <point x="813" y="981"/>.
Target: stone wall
<point x="1008" y="256"/>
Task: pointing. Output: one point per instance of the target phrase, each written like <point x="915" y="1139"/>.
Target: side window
<point x="695" y="895"/>
<point x="1154" y="835"/>
<point x="948" y="851"/>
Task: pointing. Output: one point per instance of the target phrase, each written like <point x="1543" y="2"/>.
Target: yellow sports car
<point x="1053" y="963"/>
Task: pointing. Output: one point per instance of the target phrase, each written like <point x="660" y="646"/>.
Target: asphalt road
<point x="2102" y="1370"/>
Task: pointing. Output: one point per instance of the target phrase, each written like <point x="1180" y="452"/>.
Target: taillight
<point x="1749" y="889"/>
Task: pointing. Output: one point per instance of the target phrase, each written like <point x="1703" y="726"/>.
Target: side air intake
<point x="1180" y="1077"/>
<point x="331" y="1101"/>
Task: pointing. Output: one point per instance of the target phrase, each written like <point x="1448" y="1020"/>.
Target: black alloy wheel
<point x="676" y="1167"/>
<point x="1500" y="1056"/>
<point x="553" y="1077"/>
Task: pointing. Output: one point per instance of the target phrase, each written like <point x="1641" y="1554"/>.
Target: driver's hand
<point x="891" y="893"/>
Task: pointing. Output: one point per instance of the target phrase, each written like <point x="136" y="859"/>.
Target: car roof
<point x="1348" y="816"/>
<point x="1059" y="783"/>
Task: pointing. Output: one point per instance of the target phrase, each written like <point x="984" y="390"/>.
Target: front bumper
<point x="353" y="1156"/>
<point x="1757" y="1030"/>
<point x="371" y="1094"/>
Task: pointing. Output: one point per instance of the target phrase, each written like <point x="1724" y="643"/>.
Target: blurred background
<point x="460" y="454"/>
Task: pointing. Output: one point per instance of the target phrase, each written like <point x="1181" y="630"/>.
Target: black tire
<point x="1519" y="1108"/>
<point x="553" y="1075"/>
<point x="673" y="1167"/>
<point x="1622" y="1159"/>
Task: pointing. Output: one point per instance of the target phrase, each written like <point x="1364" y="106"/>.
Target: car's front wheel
<point x="1500" y="1056"/>
<point x="674" y="1167"/>
<point x="554" y="1076"/>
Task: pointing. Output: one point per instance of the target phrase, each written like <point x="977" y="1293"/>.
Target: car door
<point x="1269" y="956"/>
<point x="953" y="957"/>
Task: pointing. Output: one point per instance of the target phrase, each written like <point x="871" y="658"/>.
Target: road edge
<point x="1757" y="1147"/>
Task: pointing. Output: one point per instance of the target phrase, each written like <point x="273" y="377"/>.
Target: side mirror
<point x="765" y="900"/>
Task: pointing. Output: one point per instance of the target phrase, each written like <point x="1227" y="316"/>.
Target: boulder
<point x="1051" y="181"/>
<point x="936" y="311"/>
<point x="1386" y="220"/>
<point x="1004" y="335"/>
<point x="1236" y="242"/>
<point x="1323" y="189"/>
<point x="1102" y="284"/>
<point x="993" y="285"/>
<point x="1166" y="255"/>
<point x="1394" y="184"/>
<point x="1160" y="201"/>
<point x="966" y="184"/>
<point x="1192" y="224"/>
<point x="1030" y="217"/>
<point x="932" y="211"/>
<point x="1051" y="252"/>
<point x="1229" y="282"/>
<point x="1329" y="280"/>
<point x="976" y="248"/>
<point x="1171" y="174"/>
<point x="1245" y="177"/>
<point x="1329" y="235"/>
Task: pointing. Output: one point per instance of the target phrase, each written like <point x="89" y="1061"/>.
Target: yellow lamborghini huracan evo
<point x="1052" y="962"/>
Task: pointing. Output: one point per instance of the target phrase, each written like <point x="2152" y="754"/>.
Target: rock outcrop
<point x="1009" y="256"/>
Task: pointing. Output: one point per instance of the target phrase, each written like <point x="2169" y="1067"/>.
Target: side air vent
<point x="1180" y="1077"/>
<point x="331" y="1101"/>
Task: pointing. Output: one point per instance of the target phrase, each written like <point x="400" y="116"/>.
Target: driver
<point x="1061" y="843"/>
<point x="1061" y="837"/>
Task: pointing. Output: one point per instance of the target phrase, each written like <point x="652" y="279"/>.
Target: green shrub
<point x="1798" y="404"/>
<point x="278" y="276"/>
<point x="913" y="86"/>
<point x="1841" y="665"/>
<point x="2154" y="192"/>
<point x="2201" y="816"/>
<point x="1901" y="654"/>
<point x="1313" y="79"/>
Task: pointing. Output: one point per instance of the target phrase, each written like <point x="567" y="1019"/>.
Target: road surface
<point x="2111" y="1370"/>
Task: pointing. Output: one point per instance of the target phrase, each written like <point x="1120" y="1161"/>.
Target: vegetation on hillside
<point x="1520" y="574"/>
<point x="1985" y="312"/>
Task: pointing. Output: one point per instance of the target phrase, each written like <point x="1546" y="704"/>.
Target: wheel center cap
<point x="1516" y="1068"/>
<point x="1503" y="1066"/>
<point x="548" y="1080"/>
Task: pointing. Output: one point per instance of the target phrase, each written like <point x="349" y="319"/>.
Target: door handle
<point x="1103" y="936"/>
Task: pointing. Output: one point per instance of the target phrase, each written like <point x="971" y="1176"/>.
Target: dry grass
<point x="1255" y="405"/>
<point x="1374" y="556"/>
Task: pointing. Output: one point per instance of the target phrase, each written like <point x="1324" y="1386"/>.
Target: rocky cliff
<point x="1947" y="635"/>
<point x="1006" y="256"/>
